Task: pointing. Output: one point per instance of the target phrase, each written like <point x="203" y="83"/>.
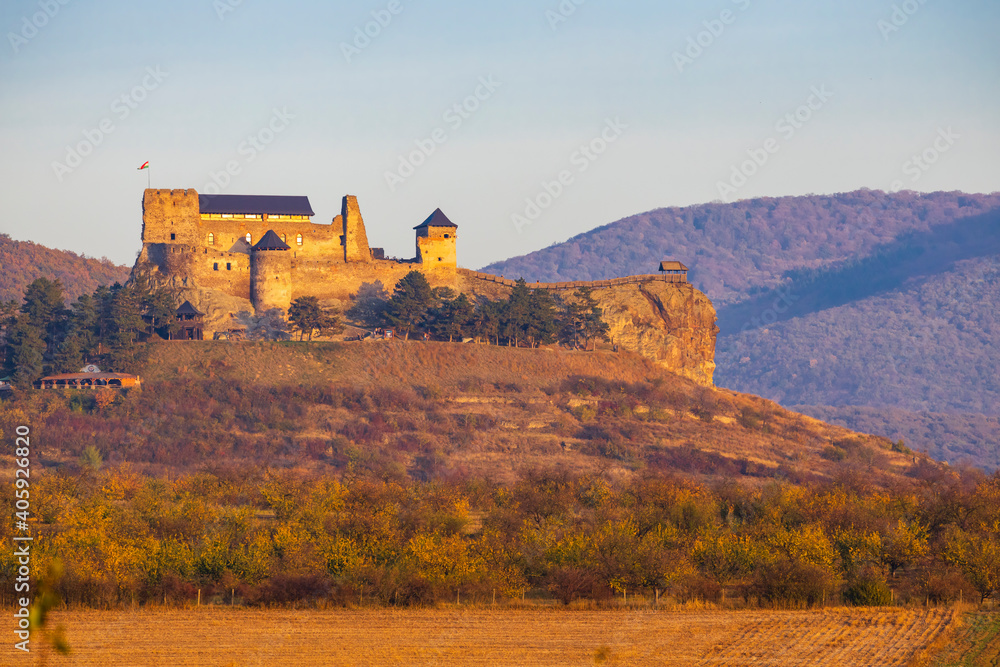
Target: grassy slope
<point x="495" y="411"/>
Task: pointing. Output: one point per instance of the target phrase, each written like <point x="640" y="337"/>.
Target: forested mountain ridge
<point x="735" y="249"/>
<point x="21" y="262"/>
<point x="856" y="300"/>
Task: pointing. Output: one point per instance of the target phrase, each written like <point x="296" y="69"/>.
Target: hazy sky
<point x="634" y="105"/>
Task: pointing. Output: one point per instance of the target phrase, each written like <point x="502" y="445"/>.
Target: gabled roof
<point x="437" y="219"/>
<point x="672" y="266"/>
<point x="271" y="241"/>
<point x="88" y="376"/>
<point x="187" y="309"/>
<point x="255" y="204"/>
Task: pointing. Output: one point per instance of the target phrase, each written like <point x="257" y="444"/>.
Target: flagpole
<point x="149" y="178"/>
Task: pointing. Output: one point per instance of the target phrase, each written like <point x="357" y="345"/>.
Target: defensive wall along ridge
<point x="228" y="254"/>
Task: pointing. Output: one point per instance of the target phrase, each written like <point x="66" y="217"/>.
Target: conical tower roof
<point x="271" y="241"/>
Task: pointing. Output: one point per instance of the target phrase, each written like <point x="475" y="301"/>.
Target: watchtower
<point x="436" y="242"/>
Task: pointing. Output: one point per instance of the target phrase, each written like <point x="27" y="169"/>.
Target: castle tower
<point x="355" y="239"/>
<point x="270" y="274"/>
<point x="436" y="243"/>
<point x="169" y="231"/>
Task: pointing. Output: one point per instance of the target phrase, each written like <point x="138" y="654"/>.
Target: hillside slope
<point x="429" y="410"/>
<point x="21" y="262"/>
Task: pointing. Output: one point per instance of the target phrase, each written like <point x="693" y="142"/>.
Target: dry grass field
<point x="486" y="637"/>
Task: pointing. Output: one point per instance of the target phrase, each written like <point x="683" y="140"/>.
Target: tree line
<point x="256" y="537"/>
<point x="43" y="336"/>
<point x="527" y="316"/>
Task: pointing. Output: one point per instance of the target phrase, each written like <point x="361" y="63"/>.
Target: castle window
<point x="216" y="267"/>
<point x="229" y="267"/>
<point x="447" y="236"/>
<point x="439" y="259"/>
<point x="173" y="237"/>
<point x="211" y="239"/>
<point x="248" y="238"/>
<point x="282" y="238"/>
<point x="298" y="239"/>
<point x="227" y="215"/>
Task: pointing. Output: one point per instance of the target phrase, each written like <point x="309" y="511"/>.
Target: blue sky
<point x="618" y="100"/>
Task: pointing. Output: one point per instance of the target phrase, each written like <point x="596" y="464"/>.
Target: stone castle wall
<point x="661" y="317"/>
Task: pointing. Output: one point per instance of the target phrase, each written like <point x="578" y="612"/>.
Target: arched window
<point x="298" y="239"/>
<point x="211" y="238"/>
<point x="248" y="238"/>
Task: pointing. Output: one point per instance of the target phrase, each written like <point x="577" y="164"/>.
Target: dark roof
<point x="255" y="204"/>
<point x="187" y="309"/>
<point x="672" y="266"/>
<point x="88" y="376"/>
<point x="271" y="241"/>
<point x="437" y="219"/>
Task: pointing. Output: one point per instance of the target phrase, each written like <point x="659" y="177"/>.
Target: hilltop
<point x="21" y="262"/>
<point x="429" y="410"/>
<point x="857" y="300"/>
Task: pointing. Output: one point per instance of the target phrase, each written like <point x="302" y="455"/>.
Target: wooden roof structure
<point x="437" y="219"/>
<point x="188" y="310"/>
<point x="672" y="265"/>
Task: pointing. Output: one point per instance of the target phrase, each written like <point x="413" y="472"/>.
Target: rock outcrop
<point x="672" y="324"/>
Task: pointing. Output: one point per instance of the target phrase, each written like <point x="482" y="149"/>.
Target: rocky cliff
<point x="671" y="323"/>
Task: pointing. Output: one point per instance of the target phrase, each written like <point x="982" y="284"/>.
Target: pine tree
<point x="517" y="313"/>
<point x="487" y="319"/>
<point x="542" y="326"/>
<point x="25" y="352"/>
<point x="408" y="307"/>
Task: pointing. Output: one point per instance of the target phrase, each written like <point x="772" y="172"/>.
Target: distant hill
<point x="867" y="299"/>
<point x="21" y="262"/>
<point x="736" y="249"/>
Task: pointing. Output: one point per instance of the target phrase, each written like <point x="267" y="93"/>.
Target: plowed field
<point x="493" y="637"/>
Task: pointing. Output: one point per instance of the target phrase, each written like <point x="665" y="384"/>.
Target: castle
<point x="267" y="250"/>
<point x="228" y="254"/>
